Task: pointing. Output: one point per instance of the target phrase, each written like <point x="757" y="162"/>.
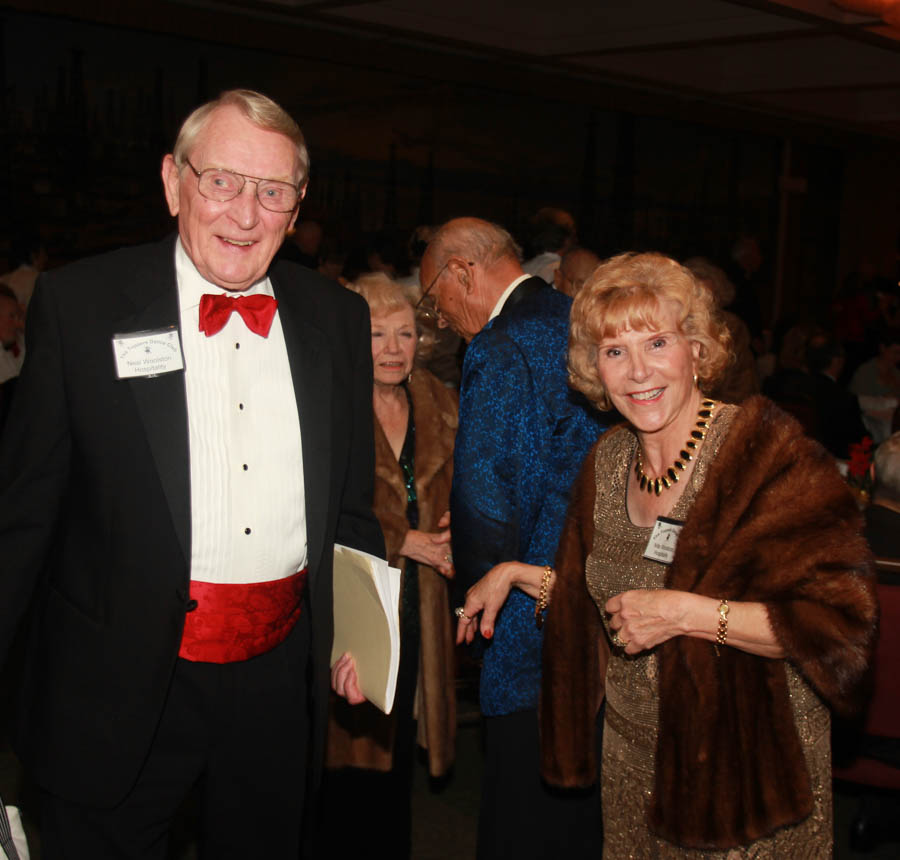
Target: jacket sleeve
<point x="357" y="525"/>
<point x="497" y="459"/>
<point x="576" y="650"/>
<point x="34" y="465"/>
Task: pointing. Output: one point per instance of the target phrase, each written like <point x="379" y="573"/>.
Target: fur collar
<point x="436" y="423"/>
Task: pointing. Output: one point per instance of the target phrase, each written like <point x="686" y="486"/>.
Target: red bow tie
<point x="257" y="312"/>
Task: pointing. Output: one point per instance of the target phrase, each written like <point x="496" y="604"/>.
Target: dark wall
<point x="87" y="118"/>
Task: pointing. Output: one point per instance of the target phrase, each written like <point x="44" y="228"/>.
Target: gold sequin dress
<point x="616" y="564"/>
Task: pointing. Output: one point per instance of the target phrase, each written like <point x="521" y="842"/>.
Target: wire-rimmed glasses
<point x="220" y="186"/>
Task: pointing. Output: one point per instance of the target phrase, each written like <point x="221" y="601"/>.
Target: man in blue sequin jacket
<point x="522" y="436"/>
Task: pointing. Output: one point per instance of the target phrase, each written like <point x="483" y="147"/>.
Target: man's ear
<point x="460" y="270"/>
<point x="301" y="194"/>
<point x="171" y="183"/>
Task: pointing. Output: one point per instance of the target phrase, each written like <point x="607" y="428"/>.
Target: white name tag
<point x="663" y="540"/>
<point x="147" y="353"/>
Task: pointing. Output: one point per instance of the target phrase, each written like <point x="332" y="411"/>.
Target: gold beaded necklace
<point x="670" y="477"/>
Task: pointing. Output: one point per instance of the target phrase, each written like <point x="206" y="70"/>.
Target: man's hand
<point x="344" y="681"/>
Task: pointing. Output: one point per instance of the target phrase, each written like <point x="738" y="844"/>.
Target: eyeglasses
<point x="427" y="307"/>
<point x="221" y="185"/>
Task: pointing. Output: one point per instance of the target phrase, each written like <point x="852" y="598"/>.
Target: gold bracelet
<point x="722" y="631"/>
<point x="542" y="600"/>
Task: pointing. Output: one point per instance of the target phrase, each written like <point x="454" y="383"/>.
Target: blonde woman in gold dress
<point x="712" y="582"/>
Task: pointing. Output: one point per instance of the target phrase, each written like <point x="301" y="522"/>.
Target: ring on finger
<point x="618" y="641"/>
<point x="460" y="613"/>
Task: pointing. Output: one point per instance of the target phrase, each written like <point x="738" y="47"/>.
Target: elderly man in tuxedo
<point x="192" y="434"/>
<point x="521" y="440"/>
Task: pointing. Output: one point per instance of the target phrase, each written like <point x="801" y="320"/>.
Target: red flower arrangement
<point x="859" y="472"/>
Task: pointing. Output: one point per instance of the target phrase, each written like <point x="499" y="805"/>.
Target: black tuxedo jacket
<point x="95" y="518"/>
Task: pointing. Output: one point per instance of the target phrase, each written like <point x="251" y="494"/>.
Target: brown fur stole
<point x="773" y="523"/>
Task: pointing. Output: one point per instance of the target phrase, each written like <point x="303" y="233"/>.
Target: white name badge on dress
<point x="147" y="353"/>
<point x="663" y="540"/>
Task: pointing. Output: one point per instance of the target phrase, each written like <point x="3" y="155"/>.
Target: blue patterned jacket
<point x="523" y="434"/>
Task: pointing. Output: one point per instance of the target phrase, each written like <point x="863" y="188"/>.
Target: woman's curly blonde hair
<point x="627" y="292"/>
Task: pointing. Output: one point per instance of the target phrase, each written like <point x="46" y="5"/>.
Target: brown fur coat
<point x="773" y="523"/>
<point x="362" y="736"/>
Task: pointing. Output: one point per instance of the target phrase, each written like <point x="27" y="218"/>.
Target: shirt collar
<point x="506" y="294"/>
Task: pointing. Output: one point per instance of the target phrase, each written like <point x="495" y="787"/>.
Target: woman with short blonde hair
<point x="713" y="567"/>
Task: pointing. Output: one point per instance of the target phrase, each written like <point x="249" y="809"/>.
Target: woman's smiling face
<point x="649" y="373"/>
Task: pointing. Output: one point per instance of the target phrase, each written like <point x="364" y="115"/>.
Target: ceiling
<point x="812" y="63"/>
<point x="808" y="60"/>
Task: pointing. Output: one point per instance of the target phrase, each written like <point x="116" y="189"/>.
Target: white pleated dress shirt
<point x="248" y="510"/>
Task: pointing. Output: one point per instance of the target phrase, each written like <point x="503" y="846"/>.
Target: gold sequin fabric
<point x="616" y="564"/>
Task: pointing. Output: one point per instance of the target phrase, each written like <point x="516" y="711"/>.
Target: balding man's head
<point x="465" y="269"/>
<point x="574" y="269"/>
<point x="476" y="240"/>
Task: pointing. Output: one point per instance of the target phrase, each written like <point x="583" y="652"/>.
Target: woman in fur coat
<point x="371" y="754"/>
<point x="713" y="569"/>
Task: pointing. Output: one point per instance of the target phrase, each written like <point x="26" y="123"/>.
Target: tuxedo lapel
<point x="161" y="400"/>
<point x="309" y="355"/>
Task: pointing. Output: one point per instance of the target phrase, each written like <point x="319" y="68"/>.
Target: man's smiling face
<point x="231" y="243"/>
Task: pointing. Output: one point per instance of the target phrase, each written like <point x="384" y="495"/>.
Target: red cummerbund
<point x="237" y="622"/>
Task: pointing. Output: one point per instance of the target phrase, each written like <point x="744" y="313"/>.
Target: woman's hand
<point x="489" y="594"/>
<point x="646" y="617"/>
<point x="344" y="681"/>
<point x="431" y="548"/>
